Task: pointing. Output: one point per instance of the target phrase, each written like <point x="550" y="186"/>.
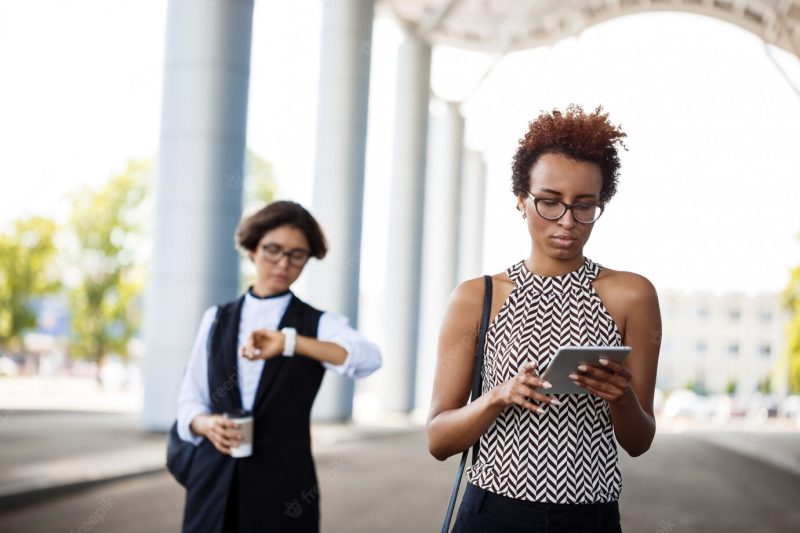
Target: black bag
<point x="179" y="452"/>
<point x="179" y="455"/>
<point x="476" y="391"/>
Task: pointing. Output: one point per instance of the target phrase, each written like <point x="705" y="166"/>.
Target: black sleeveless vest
<point x="276" y="487"/>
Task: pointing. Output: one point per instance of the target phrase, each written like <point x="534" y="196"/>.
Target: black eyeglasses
<point x="274" y="253"/>
<point x="552" y="209"/>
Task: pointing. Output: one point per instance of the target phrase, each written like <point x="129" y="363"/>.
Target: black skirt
<point x="482" y="511"/>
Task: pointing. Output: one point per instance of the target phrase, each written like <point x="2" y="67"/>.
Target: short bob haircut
<point x="282" y="213"/>
<point x="589" y="138"/>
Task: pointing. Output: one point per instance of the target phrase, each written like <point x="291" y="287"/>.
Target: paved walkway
<point x="44" y="453"/>
<point x="377" y="479"/>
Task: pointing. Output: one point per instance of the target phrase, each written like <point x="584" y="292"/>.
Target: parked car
<point x="8" y="367"/>
<point x="686" y="403"/>
<point x="761" y="407"/>
<point x="790" y="407"/>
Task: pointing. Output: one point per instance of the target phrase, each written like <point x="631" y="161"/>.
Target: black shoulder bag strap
<point x="476" y="391"/>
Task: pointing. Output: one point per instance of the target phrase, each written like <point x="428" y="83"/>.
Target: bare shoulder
<point x="470" y="292"/>
<point x="629" y="282"/>
<point x="629" y="297"/>
<point x="467" y="298"/>
<point x="625" y="286"/>
<point x="502" y="279"/>
<point x="467" y="292"/>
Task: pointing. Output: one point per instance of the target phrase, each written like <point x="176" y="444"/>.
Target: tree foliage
<point x="260" y="189"/>
<point x="791" y="301"/>
<point x="106" y="228"/>
<point x="26" y="272"/>
<point x="260" y="186"/>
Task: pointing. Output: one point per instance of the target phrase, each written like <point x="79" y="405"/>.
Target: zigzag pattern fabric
<point x="568" y="454"/>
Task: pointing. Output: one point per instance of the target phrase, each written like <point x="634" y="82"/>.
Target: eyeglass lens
<point x="553" y="210"/>
<point x="275" y="252"/>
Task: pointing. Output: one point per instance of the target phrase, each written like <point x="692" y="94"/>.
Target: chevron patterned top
<point x="567" y="454"/>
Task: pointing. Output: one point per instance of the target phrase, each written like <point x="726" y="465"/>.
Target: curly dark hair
<point x="584" y="137"/>
<point x="282" y="213"/>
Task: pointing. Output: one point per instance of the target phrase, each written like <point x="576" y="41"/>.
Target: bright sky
<point x="708" y="192"/>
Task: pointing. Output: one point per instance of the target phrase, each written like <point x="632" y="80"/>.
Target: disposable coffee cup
<point x="245" y="421"/>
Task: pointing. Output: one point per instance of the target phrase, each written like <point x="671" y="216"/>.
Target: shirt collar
<point x="255" y="296"/>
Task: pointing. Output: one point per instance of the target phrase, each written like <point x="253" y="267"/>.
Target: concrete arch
<point x="506" y="25"/>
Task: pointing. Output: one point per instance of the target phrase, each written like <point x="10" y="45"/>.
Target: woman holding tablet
<point x="548" y="462"/>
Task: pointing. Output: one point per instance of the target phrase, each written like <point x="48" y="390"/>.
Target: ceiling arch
<point x="500" y="26"/>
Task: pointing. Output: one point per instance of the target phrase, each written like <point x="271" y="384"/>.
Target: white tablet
<point x="566" y="361"/>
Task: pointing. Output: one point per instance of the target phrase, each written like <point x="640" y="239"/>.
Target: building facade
<point x="721" y="343"/>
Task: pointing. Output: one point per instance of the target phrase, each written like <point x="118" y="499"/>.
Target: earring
<point x="524" y="215"/>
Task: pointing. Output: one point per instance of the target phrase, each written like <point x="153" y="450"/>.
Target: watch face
<point x="290" y="339"/>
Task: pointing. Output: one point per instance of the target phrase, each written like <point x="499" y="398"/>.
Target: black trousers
<point x="482" y="511"/>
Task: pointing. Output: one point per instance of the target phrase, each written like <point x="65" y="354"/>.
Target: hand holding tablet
<point x="566" y="361"/>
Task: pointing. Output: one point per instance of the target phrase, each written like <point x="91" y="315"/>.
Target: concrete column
<point x="440" y="245"/>
<point x="473" y="201"/>
<point x="405" y="225"/>
<point x="339" y="175"/>
<point x="199" y="187"/>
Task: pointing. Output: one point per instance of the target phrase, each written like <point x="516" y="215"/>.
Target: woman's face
<point x="279" y="258"/>
<point x="557" y="177"/>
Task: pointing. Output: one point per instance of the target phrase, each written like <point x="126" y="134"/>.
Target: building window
<point x="733" y="349"/>
<point x="702" y="312"/>
<point x="734" y="315"/>
<point x="765" y="350"/>
<point x="765" y="315"/>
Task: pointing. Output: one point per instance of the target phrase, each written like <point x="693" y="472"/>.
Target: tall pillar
<point x="339" y="175"/>
<point x="473" y="201"/>
<point x="440" y="245"/>
<point x="405" y="225"/>
<point x="199" y="188"/>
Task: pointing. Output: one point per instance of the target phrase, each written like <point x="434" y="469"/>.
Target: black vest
<point x="276" y="487"/>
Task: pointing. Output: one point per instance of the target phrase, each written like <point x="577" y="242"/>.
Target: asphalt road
<point x="390" y="484"/>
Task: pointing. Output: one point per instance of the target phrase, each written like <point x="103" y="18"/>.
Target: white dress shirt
<point x="363" y="356"/>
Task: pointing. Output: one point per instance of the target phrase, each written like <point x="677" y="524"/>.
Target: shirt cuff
<point x="345" y="368"/>
<point x="184" y="425"/>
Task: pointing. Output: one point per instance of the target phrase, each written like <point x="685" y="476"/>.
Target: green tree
<point x="260" y="189"/>
<point x="791" y="301"/>
<point x="765" y="385"/>
<point x="106" y="228"/>
<point x="26" y="272"/>
<point x="260" y="186"/>
<point x="698" y="386"/>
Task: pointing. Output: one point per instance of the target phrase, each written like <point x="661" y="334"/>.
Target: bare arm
<point x="453" y="424"/>
<point x="629" y="388"/>
<point x="266" y="344"/>
<point x="322" y="351"/>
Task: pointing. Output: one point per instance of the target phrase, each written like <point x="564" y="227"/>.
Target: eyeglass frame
<point x="566" y="206"/>
<point x="285" y="253"/>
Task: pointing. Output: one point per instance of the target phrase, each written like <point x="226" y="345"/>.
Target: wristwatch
<point x="290" y="336"/>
